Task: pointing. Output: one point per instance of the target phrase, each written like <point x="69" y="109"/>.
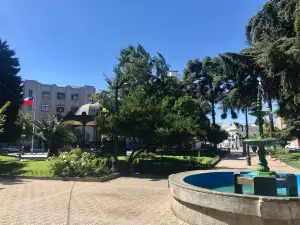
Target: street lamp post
<point x="247" y="136"/>
<point x="115" y="135"/>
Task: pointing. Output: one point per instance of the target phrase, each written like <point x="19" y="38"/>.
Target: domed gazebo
<point x="85" y="116"/>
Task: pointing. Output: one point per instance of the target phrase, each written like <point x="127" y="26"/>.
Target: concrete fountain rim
<point x="210" y="207"/>
<point x="178" y="180"/>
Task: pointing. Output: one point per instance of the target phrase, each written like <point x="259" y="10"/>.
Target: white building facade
<point x="174" y="73"/>
<point x="50" y="99"/>
<point x="236" y="133"/>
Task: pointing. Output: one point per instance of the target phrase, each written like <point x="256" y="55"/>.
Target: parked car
<point x="291" y="146"/>
<point x="38" y="150"/>
<point x="10" y="149"/>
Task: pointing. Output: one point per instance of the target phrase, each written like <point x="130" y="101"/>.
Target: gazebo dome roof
<point x="89" y="109"/>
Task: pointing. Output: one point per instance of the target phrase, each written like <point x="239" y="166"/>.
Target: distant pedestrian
<point x="19" y="157"/>
<point x="254" y="149"/>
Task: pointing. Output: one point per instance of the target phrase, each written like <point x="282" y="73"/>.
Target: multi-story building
<point x="50" y="99"/>
<point x="280" y="123"/>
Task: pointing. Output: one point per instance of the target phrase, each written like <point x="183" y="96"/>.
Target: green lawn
<point x="10" y="166"/>
<point x="291" y="159"/>
<point x="205" y="160"/>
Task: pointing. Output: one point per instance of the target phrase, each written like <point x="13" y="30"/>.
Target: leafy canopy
<point x="2" y="116"/>
<point x="11" y="90"/>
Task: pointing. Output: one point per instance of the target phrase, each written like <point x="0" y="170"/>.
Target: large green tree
<point x="171" y="122"/>
<point x="154" y="107"/>
<point x="273" y="34"/>
<point x="10" y="90"/>
<point x="203" y="80"/>
<point x="240" y="83"/>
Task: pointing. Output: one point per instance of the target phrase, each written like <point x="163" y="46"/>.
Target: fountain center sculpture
<point x="261" y="142"/>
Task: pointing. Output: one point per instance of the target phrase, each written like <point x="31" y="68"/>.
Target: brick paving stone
<point x="135" y="200"/>
<point x="126" y="200"/>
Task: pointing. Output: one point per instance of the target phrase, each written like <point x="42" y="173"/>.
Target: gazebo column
<point x="84" y="125"/>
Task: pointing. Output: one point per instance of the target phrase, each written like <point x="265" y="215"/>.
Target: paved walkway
<point x="123" y="201"/>
<point x="126" y="200"/>
<point x="238" y="163"/>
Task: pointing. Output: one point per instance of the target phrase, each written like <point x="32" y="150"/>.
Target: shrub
<point x="273" y="152"/>
<point x="165" y="165"/>
<point x="145" y="155"/>
<point x="77" y="163"/>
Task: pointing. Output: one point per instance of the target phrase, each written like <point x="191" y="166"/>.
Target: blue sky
<point x="73" y="42"/>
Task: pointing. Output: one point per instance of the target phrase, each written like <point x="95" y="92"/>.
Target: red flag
<point x="28" y="101"/>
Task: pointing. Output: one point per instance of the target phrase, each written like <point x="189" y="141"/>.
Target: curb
<point x="81" y="179"/>
<point x="215" y="161"/>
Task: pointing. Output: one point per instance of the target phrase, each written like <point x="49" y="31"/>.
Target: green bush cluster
<point x="77" y="163"/>
<point x="274" y="152"/>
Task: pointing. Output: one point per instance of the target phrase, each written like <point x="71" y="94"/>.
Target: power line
<point x="8" y="89"/>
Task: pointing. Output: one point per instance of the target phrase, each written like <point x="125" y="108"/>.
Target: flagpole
<point x="33" y="127"/>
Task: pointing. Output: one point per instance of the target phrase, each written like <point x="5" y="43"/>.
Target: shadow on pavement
<point x="234" y="158"/>
<point x="148" y="176"/>
<point x="11" y="181"/>
<point x="230" y="168"/>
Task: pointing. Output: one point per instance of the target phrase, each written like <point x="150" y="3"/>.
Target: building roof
<point x="89" y="109"/>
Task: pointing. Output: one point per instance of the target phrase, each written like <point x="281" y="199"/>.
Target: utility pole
<point x="33" y="126"/>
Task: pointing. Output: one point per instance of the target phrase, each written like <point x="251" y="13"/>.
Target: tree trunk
<point x="272" y="129"/>
<point x="247" y="131"/>
<point x="247" y="126"/>
<point x="52" y="150"/>
<point x="213" y="117"/>
<point x="115" y="155"/>
<point x="213" y="113"/>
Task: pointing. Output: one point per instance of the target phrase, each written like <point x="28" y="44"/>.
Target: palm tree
<point x="203" y="80"/>
<point x="240" y="85"/>
<point x="54" y="132"/>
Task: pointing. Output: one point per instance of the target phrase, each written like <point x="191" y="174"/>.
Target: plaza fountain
<point x="224" y="197"/>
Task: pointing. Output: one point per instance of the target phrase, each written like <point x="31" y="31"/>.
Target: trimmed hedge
<point x="154" y="164"/>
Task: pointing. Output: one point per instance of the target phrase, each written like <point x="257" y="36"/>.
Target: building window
<point x="45" y="108"/>
<point x="75" y="96"/>
<point x="90" y="98"/>
<point x="60" y="95"/>
<point x="46" y="95"/>
<point x="87" y="137"/>
<point x="30" y="93"/>
<point x="60" y="108"/>
<point x="29" y="107"/>
<point x="74" y="109"/>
